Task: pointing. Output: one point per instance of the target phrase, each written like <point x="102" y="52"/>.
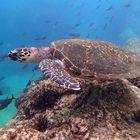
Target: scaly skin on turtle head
<point x="29" y="55"/>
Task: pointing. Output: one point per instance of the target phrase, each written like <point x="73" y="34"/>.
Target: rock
<point x="105" y="111"/>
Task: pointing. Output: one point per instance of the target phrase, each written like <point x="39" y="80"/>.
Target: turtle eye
<point x="9" y="55"/>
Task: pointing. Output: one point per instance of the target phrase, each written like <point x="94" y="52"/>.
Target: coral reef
<point x="105" y="111"/>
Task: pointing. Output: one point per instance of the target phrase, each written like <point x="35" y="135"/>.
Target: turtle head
<point x="28" y="55"/>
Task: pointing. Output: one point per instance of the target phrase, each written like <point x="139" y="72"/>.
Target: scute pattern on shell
<point x="99" y="57"/>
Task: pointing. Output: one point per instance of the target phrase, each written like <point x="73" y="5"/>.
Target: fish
<point x="35" y="68"/>
<point x="87" y="36"/>
<point x="40" y="38"/>
<point x="109" y="8"/>
<point x="1" y="43"/>
<point x="1" y="93"/>
<point x="95" y="30"/>
<point x="43" y="38"/>
<point x="127" y="5"/>
<point x="24" y="66"/>
<point x="47" y="21"/>
<point x="105" y="26"/>
<point x="92" y="24"/>
<point x="56" y="23"/>
<point x="98" y="6"/>
<point x="5" y="102"/>
<point x="82" y="4"/>
<point x="29" y="83"/>
<point x="111" y="19"/>
<point x="2" y="78"/>
<point x="37" y="39"/>
<point x="74" y="35"/>
<point x="24" y="34"/>
<point x="77" y="24"/>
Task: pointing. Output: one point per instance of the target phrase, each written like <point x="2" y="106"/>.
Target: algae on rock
<point x="104" y="111"/>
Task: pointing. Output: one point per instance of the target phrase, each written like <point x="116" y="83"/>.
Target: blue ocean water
<point x="38" y="22"/>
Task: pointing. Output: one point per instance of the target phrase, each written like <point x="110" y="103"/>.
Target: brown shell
<point x="99" y="57"/>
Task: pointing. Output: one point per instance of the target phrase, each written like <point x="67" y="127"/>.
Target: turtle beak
<point x="12" y="55"/>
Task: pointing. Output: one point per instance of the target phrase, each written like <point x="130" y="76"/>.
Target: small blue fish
<point x="111" y="19"/>
<point x="98" y="7"/>
<point x="105" y="26"/>
<point x="25" y="66"/>
<point x="127" y="5"/>
<point x="109" y="8"/>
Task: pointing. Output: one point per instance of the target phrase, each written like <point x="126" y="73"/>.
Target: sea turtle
<point x="69" y="61"/>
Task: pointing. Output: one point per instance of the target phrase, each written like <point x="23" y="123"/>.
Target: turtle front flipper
<point x="55" y="70"/>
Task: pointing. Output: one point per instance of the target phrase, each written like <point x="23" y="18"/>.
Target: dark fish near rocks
<point x="1" y="93"/>
<point x="35" y="68"/>
<point x="5" y="102"/>
<point x="40" y="38"/>
<point x="88" y="35"/>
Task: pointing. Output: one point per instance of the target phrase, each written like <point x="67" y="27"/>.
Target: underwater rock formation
<point x="105" y="111"/>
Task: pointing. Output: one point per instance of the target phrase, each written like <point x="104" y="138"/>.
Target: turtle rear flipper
<point x="55" y="70"/>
